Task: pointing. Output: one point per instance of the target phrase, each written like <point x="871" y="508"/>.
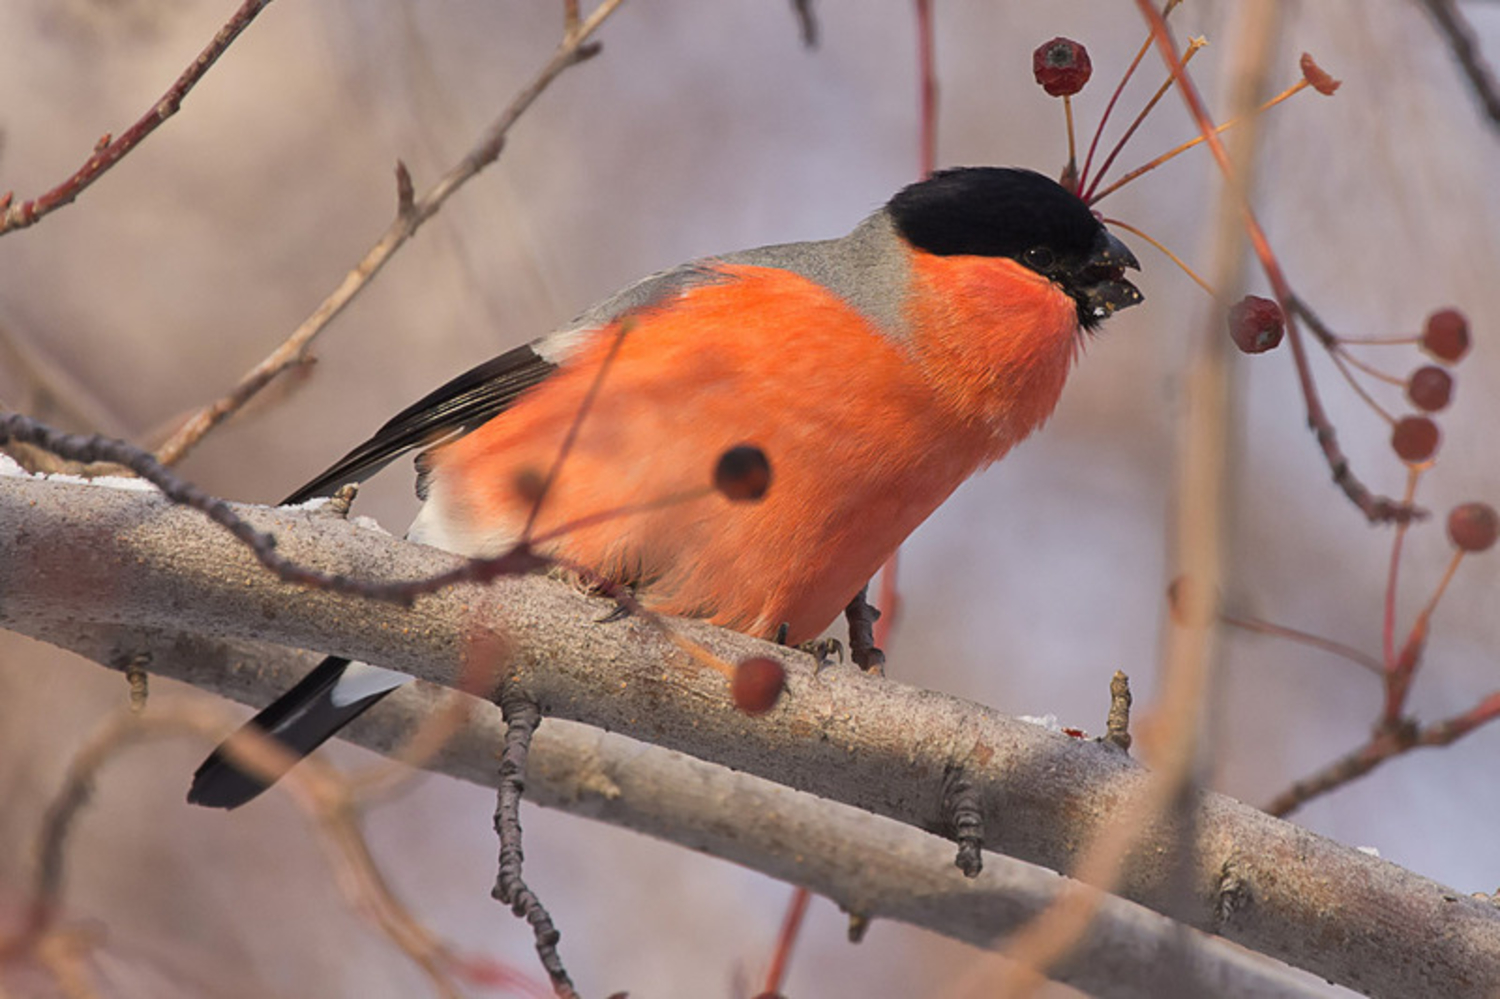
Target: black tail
<point x="302" y="719"/>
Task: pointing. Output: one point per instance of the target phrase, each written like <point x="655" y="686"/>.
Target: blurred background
<point x="705" y="128"/>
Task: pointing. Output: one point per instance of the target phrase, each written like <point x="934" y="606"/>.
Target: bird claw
<point x="824" y="650"/>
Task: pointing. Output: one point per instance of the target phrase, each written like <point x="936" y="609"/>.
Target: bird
<point x="875" y="372"/>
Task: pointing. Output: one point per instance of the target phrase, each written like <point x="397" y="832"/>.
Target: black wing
<point x="488" y="390"/>
<point x="456" y="408"/>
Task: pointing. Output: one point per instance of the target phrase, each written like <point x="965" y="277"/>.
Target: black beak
<point x="1100" y="287"/>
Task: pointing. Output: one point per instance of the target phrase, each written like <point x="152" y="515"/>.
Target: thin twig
<point x="1377" y="509"/>
<point x="1368" y="368"/>
<point x="94" y="448"/>
<point x="110" y="151"/>
<point x="927" y="72"/>
<point x="522" y="717"/>
<point x="317" y="790"/>
<point x="575" y="426"/>
<point x="1388" y="628"/>
<point x="1460" y="37"/>
<point x="1403" y="669"/>
<point x="791" y="928"/>
<point x="1170" y="734"/>
<point x="807" y="22"/>
<point x="1114" y="98"/>
<point x="1176" y="151"/>
<point x="409" y="218"/>
<point x="1348" y="652"/>
<point x="1194" y="44"/>
<point x="1384" y="744"/>
<point x="1342" y="362"/>
<point x="1162" y="248"/>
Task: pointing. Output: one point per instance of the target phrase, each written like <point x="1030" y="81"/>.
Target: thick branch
<point x="75" y="559"/>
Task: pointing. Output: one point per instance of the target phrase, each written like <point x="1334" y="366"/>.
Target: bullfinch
<point x="876" y="372"/>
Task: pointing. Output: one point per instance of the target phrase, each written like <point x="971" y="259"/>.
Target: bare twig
<point x="47" y="387"/>
<point x="410" y="216"/>
<point x="791" y="928"/>
<point x="1170" y="734"/>
<point x="1456" y="30"/>
<point x="928" y="89"/>
<point x="521" y="720"/>
<point x="1386" y="743"/>
<point x="110" y="151"/>
<point x="320" y="793"/>
<point x="90" y="448"/>
<point x="1117" y="724"/>
<point x="807" y="22"/>
<point x="1377" y="509"/>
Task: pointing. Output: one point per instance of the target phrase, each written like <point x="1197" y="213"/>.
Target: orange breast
<point x="866" y="435"/>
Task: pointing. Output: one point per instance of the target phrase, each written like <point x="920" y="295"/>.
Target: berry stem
<point x="1189" y="144"/>
<point x="1398" y="681"/>
<point x="571" y="439"/>
<point x="1377" y="509"/>
<point x="1339" y="360"/>
<point x="1115" y="97"/>
<point x="1194" y="44"/>
<point x="1348" y="652"/>
<point x="1381" y="341"/>
<point x="1366" y="367"/>
<point x="1397" y="673"/>
<point x="1072" y="170"/>
<point x="1161" y="247"/>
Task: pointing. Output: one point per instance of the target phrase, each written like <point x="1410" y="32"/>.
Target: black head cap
<point x="1022" y="215"/>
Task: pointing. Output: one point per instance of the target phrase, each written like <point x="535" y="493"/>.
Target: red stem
<point x="926" y="69"/>
<point x="1376" y="508"/>
<point x="791" y="925"/>
<point x="1088" y="161"/>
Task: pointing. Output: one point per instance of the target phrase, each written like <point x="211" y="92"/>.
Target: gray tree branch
<point x="107" y="571"/>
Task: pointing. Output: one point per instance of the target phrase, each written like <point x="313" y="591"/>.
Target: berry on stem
<point x="757" y="685"/>
<point x="1061" y="66"/>
<point x="1317" y="77"/>
<point x="1430" y="388"/>
<point x="1256" y="324"/>
<point x="1446" y="335"/>
<point x="743" y="473"/>
<point x="1473" y="527"/>
<point x="1415" y="439"/>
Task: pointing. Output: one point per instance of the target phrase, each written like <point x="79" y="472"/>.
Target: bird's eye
<point x="1038" y="258"/>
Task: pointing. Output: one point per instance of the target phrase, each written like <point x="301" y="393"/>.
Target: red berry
<point x="1415" y="439"/>
<point x="1255" y="324"/>
<point x="1317" y="77"/>
<point x="1473" y="527"/>
<point x="757" y="685"/>
<point x="1446" y="335"/>
<point x="743" y="473"/>
<point x="529" y="484"/>
<point x="1061" y="66"/>
<point x="1430" y="388"/>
